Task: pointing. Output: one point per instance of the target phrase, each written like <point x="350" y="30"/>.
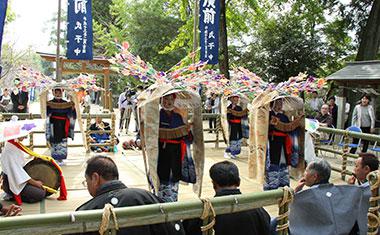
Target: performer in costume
<point x="100" y="138"/>
<point x="235" y="113"/>
<point x="280" y="147"/>
<point x="174" y="136"/>
<point x="16" y="181"/>
<point x="60" y="123"/>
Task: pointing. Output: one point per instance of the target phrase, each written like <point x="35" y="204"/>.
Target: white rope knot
<point x="287" y="198"/>
<point x="108" y="210"/>
<point x="207" y="208"/>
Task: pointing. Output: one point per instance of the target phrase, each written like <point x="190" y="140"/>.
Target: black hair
<point x="370" y="160"/>
<point x="332" y="98"/>
<point x="104" y="166"/>
<point x="225" y="174"/>
<point x="315" y="92"/>
<point x="366" y="96"/>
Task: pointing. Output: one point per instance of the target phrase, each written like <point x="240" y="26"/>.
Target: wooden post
<point x="195" y="28"/>
<point x="107" y="101"/>
<point x="373" y="211"/>
<point x="218" y="123"/>
<point x="1" y="143"/>
<point x="58" y="61"/>
<point x="341" y="102"/>
<point x="344" y="155"/>
<point x="31" y="142"/>
<point x="113" y="136"/>
<point x="88" y="124"/>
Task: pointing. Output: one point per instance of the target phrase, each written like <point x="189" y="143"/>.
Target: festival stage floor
<point x="132" y="173"/>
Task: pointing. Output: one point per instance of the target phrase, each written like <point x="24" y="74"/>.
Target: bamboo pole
<point x="357" y="135"/>
<point x="31" y="142"/>
<point x="58" y="64"/>
<point x="350" y="155"/>
<point x="88" y="137"/>
<point x="22" y="116"/>
<point x="84" y="221"/>
<point x="113" y="135"/>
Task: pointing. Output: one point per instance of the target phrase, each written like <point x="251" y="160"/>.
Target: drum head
<point x="44" y="171"/>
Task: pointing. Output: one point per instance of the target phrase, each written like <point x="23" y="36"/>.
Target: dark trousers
<point x="365" y="142"/>
<point x="210" y="122"/>
<point x="29" y="194"/>
<point x="126" y="120"/>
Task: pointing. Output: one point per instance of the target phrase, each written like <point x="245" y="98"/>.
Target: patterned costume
<point x="60" y="123"/>
<point x="100" y="138"/>
<point x="282" y="150"/>
<point x="173" y="140"/>
<point x="234" y="118"/>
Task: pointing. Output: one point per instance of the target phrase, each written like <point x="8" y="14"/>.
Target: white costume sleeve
<point x="13" y="162"/>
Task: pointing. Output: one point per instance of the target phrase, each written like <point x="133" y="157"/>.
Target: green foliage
<point x="10" y="14"/>
<point x="12" y="60"/>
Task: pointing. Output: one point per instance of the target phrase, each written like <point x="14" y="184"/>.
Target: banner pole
<point x="195" y="32"/>
<point x="58" y="74"/>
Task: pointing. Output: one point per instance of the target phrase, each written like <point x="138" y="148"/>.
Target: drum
<point x="44" y="171"/>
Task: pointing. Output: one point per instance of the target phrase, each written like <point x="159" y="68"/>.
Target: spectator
<point x="325" y="208"/>
<point x="102" y="180"/>
<point x="315" y="102"/>
<point x="212" y="106"/>
<point x="333" y="110"/>
<point x="5" y="102"/>
<point x="139" y="89"/>
<point x="324" y="117"/>
<point x="125" y="107"/>
<point x="20" y="99"/>
<point x="365" y="164"/>
<point x="226" y="181"/>
<point x="86" y="102"/>
<point x="363" y="116"/>
<point x="346" y="114"/>
<point x="317" y="172"/>
<point x="11" y="210"/>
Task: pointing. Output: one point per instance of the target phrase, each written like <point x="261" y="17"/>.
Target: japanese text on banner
<point x="209" y="28"/>
<point x="79" y="30"/>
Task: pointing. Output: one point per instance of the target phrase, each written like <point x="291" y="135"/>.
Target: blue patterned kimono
<point x="236" y="131"/>
<point x="278" y="158"/>
<point x="171" y="151"/>
<point x="60" y="124"/>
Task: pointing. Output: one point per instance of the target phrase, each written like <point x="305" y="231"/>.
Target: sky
<point x="31" y="26"/>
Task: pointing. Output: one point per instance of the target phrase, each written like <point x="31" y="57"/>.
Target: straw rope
<point x="107" y="212"/>
<point x="345" y="154"/>
<point x="208" y="212"/>
<point x="373" y="211"/>
<point x="284" y="213"/>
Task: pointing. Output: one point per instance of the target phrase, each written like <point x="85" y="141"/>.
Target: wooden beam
<point x="95" y="61"/>
<point x="78" y="71"/>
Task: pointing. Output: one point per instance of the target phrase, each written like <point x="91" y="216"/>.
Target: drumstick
<point x="50" y="190"/>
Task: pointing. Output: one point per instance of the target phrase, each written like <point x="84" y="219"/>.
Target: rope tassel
<point x="107" y="212"/>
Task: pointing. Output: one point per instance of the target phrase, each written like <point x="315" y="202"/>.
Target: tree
<point x="12" y="60"/>
<point x="146" y="27"/>
<point x="370" y="37"/>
